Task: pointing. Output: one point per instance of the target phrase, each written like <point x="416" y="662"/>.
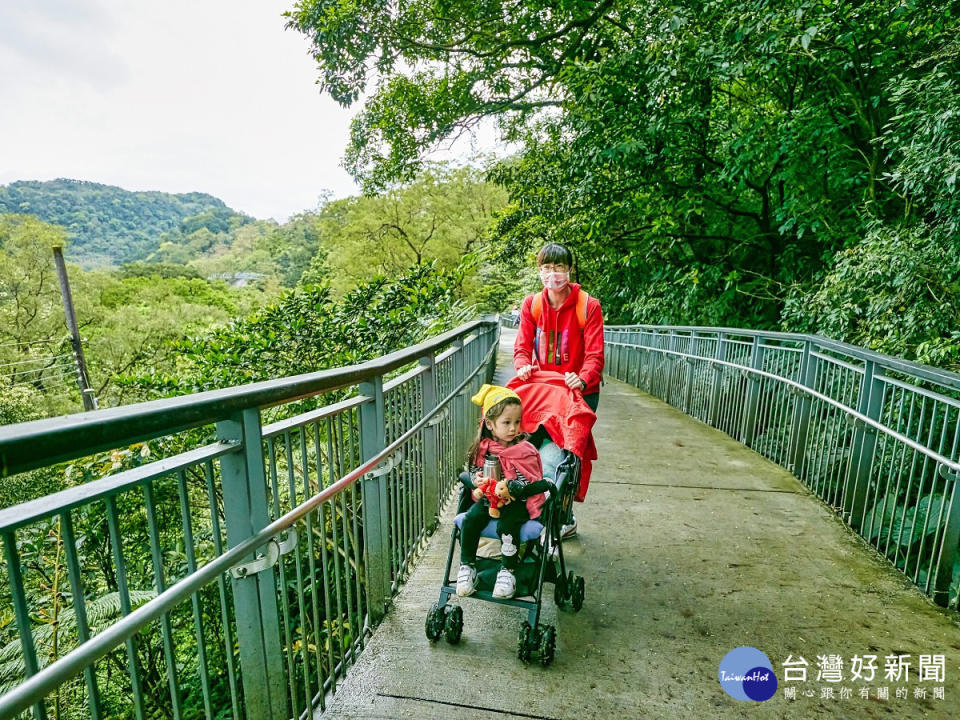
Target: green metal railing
<point x="874" y="437"/>
<point x="237" y="578"/>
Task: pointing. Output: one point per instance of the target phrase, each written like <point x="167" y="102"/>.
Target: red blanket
<point x="563" y="413"/>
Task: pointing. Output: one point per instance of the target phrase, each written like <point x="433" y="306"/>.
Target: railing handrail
<point x="800" y="387"/>
<point x="874" y="437"/>
<point x="39" y="443"/>
<point x="73" y="663"/>
<point x="925" y="372"/>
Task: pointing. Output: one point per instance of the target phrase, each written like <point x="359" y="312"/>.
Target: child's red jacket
<point x="522" y="458"/>
<point x="557" y="343"/>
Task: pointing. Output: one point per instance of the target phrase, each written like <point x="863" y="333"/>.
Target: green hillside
<point x="108" y="225"/>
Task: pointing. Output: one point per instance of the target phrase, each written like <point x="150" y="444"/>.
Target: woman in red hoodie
<point x="561" y="329"/>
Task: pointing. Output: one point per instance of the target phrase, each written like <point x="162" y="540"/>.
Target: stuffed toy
<point x="496" y="493"/>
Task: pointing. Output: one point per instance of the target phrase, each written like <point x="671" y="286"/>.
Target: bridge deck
<point x="691" y="545"/>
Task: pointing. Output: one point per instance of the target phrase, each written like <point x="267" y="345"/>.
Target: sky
<point x="210" y="96"/>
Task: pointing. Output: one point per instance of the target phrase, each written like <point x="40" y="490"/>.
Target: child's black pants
<point x="512" y="517"/>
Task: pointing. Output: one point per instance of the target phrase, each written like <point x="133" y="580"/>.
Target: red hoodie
<point x="557" y="342"/>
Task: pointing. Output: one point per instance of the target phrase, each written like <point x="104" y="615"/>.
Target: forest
<point x="765" y="165"/>
<point x="787" y="165"/>
<point x="110" y="226"/>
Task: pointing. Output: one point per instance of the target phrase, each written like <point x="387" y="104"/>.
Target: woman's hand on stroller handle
<point x="524" y="371"/>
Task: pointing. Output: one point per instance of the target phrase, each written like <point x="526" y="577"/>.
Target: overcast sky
<point x="212" y="96"/>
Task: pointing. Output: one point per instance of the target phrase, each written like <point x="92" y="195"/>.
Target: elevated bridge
<point x="776" y="491"/>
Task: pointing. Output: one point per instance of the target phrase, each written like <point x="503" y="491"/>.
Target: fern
<point x="101" y="612"/>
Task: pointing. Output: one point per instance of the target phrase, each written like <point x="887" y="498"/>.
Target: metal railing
<point x="236" y="578"/>
<point x="873" y="436"/>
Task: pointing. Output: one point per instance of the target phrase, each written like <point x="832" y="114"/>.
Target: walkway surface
<point x="691" y="545"/>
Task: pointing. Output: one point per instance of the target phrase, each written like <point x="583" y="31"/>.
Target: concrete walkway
<point x="691" y="545"/>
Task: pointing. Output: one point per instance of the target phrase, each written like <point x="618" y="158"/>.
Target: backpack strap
<point x="582" y="309"/>
<point x="536" y="308"/>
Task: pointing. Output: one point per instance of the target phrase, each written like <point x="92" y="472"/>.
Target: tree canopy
<point x="711" y="162"/>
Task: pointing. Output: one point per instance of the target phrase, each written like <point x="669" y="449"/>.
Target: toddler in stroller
<point x="531" y="517"/>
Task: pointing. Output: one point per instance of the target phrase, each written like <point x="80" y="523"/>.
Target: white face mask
<point x="555" y="280"/>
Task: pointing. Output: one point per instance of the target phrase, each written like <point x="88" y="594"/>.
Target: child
<point x="500" y="435"/>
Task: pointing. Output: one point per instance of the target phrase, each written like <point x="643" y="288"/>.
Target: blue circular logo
<point x="746" y="674"/>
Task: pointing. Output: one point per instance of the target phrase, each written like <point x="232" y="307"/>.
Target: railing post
<point x="718" y="354"/>
<point x="688" y="390"/>
<point x="461" y="400"/>
<point x="643" y="361"/>
<point x="618" y="355"/>
<point x="671" y="366"/>
<point x="254" y="596"/>
<point x="375" y="504"/>
<point x="431" y="470"/>
<point x="862" y="448"/>
<point x="492" y="366"/>
<point x="951" y="539"/>
<point x="22" y="612"/>
<point x="800" y="427"/>
<point x="753" y="393"/>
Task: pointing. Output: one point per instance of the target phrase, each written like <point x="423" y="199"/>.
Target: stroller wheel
<point x="578" y="590"/>
<point x="434" y="624"/>
<point x="525" y="642"/>
<point x="453" y="625"/>
<point x="548" y="644"/>
<point x="559" y="592"/>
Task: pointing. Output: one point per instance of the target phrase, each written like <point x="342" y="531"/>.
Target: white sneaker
<point x="568" y="531"/>
<point x="466" y="581"/>
<point x="506" y="585"/>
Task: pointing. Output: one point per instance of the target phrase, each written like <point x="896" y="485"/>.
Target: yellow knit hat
<point x="490" y="395"/>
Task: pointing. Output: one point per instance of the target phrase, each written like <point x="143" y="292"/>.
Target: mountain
<point x="108" y="225"/>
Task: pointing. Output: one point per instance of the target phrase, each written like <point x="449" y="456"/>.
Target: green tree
<point x="108" y="225"/>
<point x="707" y="160"/>
<point x="442" y="215"/>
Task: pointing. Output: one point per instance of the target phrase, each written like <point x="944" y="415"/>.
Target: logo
<point x="746" y="674"/>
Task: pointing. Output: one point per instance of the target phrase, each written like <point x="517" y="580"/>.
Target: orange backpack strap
<point x="582" y="309"/>
<point x="536" y="308"/>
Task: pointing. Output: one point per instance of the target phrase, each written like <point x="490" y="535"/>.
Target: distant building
<point x="238" y="279"/>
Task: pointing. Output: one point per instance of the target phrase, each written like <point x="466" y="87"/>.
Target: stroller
<point x="540" y="562"/>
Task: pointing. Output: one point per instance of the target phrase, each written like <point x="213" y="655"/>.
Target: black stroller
<point x="540" y="562"/>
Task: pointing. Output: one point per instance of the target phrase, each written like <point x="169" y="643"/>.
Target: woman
<point x="561" y="329"/>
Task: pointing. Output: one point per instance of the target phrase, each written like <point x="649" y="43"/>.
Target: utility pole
<point x="83" y="381"/>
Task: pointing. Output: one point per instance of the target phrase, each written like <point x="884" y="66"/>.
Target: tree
<point x="442" y="215"/>
<point x="707" y="159"/>
<point x="466" y="61"/>
<point x="108" y="225"/>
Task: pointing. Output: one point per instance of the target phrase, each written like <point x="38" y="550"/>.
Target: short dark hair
<point x="556" y="254"/>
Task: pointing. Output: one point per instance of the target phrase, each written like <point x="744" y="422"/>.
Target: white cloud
<point x="213" y="96"/>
